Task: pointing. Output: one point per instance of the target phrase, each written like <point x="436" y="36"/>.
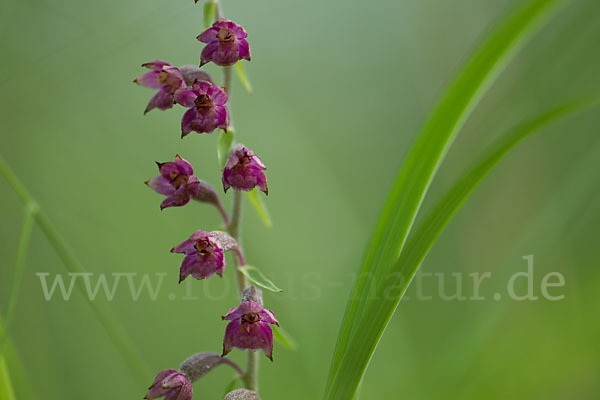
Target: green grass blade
<point x="426" y="155"/>
<point x="392" y="288"/>
<point x="17" y="275"/>
<point x="119" y="338"/>
<point x="240" y="71"/>
<point x="260" y="207"/>
<point x="6" y="389"/>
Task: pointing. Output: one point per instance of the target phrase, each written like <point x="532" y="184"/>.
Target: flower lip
<point x="203" y="246"/>
<point x="178" y="179"/>
<point x="203" y="101"/>
<point x="225" y="35"/>
<point x="251" y="318"/>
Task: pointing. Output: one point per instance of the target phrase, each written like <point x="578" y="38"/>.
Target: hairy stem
<point x="251" y="376"/>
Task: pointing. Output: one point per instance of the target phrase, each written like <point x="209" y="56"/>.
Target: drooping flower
<point x="244" y="171"/>
<point x="176" y="182"/>
<point x="193" y="73"/>
<point x="207" y="110"/>
<point x="203" y="256"/>
<point x="225" y="43"/>
<point x="249" y="328"/>
<point x="171" y="384"/>
<point x="164" y="77"/>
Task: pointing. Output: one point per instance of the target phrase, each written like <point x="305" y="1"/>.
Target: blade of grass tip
<point x="17" y="275"/>
<point x="391" y="290"/>
<point x="428" y="151"/>
<point x="119" y="338"/>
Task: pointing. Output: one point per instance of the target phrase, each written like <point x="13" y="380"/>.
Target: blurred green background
<point x="341" y="88"/>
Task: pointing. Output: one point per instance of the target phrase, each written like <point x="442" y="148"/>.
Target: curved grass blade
<point x="255" y="276"/>
<point x="425" y="157"/>
<point x="6" y="389"/>
<point x="260" y="207"/>
<point x="18" y="375"/>
<point x="392" y="288"/>
<point x="17" y="275"/>
<point x="119" y="338"/>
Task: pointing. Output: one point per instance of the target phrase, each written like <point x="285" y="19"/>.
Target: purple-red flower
<point x="171" y="384"/>
<point x="164" y="77"/>
<point x="176" y="182"/>
<point x="203" y="256"/>
<point x="249" y="328"/>
<point x="207" y="110"/>
<point x="244" y="171"/>
<point x="225" y="43"/>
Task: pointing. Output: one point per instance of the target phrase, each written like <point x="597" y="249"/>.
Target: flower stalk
<point x="208" y="110"/>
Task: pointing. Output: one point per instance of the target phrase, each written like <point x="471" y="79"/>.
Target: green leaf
<point x="260" y="207"/>
<point x="240" y="71"/>
<point x="224" y="145"/>
<point x="257" y="277"/>
<point x="210" y="8"/>
<point x="284" y="338"/>
<point x="412" y="183"/>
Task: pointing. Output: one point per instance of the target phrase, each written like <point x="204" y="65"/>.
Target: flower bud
<point x="199" y="364"/>
<point x="225" y="43"/>
<point x="170" y="384"/>
<point x="193" y="73"/>
<point x="244" y="171"/>
<point x="242" y="394"/>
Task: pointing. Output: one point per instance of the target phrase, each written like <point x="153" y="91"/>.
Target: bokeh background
<point x="341" y="89"/>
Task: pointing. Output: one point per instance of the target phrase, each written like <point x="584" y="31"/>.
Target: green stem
<point x="251" y="376"/>
<point x="118" y="336"/>
<point x="17" y="275"/>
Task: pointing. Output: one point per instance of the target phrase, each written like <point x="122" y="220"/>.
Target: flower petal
<point x="156" y="65"/>
<point x="186" y="247"/>
<point x="161" y="100"/>
<point x="149" y="80"/>
<point x="186" y="121"/>
<point x="180" y="198"/>
<point x="187" y="266"/>
<point x="185" y="96"/>
<point x="161" y="185"/>
<point x="244" y="49"/>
